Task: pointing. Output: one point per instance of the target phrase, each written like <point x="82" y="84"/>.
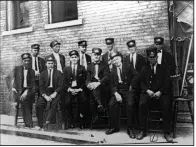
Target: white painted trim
<point x="17" y="31"/>
<point x="50" y="11"/>
<point x="63" y="24"/>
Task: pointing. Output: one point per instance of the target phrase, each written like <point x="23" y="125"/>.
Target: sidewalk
<point x="77" y="136"/>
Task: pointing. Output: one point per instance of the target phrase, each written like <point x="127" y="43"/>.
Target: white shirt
<point x="84" y="57"/>
<point x="96" y="71"/>
<point x="25" y="78"/>
<point x="155" y="68"/>
<point x="74" y="83"/>
<point x="118" y="73"/>
<point x="133" y="58"/>
<point x="33" y="64"/>
<point x="160" y="56"/>
<point x="51" y="76"/>
<point x="57" y="57"/>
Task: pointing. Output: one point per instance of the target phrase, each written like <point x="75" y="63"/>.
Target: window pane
<point x="64" y="11"/>
<point x="21" y="11"/>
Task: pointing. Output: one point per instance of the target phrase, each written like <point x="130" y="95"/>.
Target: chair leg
<point x="190" y="110"/>
<point x="175" y="118"/>
<point x="17" y="113"/>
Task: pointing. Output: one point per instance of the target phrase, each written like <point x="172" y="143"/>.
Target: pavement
<point x="184" y="135"/>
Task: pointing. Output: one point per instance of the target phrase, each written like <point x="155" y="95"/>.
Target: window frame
<point x="51" y="25"/>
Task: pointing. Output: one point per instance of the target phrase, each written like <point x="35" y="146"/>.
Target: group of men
<point x="94" y="82"/>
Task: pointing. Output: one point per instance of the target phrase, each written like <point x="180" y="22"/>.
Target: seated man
<point x="23" y="87"/>
<point x="154" y="84"/>
<point x="51" y="84"/>
<point x="97" y="78"/>
<point x="124" y="80"/>
<point x="74" y="84"/>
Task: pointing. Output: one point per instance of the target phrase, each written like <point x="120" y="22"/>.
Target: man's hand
<point x="118" y="97"/>
<point x="150" y="93"/>
<point x="53" y="95"/>
<point x="14" y="104"/>
<point x="130" y="88"/>
<point x="48" y="98"/>
<point x="37" y="73"/>
<point x="90" y="85"/>
<point x="24" y="95"/>
<point x="157" y="94"/>
<point x="96" y="84"/>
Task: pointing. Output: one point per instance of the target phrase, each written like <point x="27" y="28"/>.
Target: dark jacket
<point x="16" y="78"/>
<point x="62" y="61"/>
<point x="80" y="77"/>
<point x="57" y="81"/>
<point x="129" y="76"/>
<point x="88" y="59"/>
<point x="103" y="73"/>
<point x="161" y="81"/>
<point x="140" y="62"/>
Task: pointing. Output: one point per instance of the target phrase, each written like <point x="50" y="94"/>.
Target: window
<point x="61" y="11"/>
<point x="17" y="15"/>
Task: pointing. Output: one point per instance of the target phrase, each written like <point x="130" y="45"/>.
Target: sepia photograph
<point x="98" y="73"/>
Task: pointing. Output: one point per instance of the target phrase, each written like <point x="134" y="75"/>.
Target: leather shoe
<point x="168" y="137"/>
<point x="100" y="108"/>
<point x="141" y="135"/>
<point x="113" y="130"/>
<point x="131" y="133"/>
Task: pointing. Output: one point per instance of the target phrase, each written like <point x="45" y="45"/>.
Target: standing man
<point x="134" y="59"/>
<point x="59" y="65"/>
<point x="97" y="82"/>
<point x="123" y="84"/>
<point x="164" y="57"/>
<point x="51" y="84"/>
<point x="110" y="47"/>
<point x="74" y="84"/>
<point x="155" y="84"/>
<point x="38" y="64"/>
<point x="85" y="59"/>
<point x="137" y="61"/>
<point x="21" y="83"/>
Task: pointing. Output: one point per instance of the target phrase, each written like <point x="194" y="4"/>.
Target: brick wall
<point x="122" y="20"/>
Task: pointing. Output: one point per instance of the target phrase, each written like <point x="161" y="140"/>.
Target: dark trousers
<point x="62" y="105"/>
<point x="145" y="103"/>
<point x="26" y="105"/>
<point x="81" y="99"/>
<point x="114" y="109"/>
<point x="41" y="106"/>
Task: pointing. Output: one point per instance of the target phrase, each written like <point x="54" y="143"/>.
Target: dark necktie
<point x="49" y="76"/>
<point x="35" y="64"/>
<point x="74" y="73"/>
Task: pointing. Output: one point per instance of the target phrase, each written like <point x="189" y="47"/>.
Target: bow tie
<point x="159" y="51"/>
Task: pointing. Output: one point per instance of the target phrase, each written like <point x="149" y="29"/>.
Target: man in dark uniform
<point x="106" y="57"/>
<point x="74" y="83"/>
<point x="59" y="65"/>
<point x="38" y="64"/>
<point x="137" y="61"/>
<point x="97" y="81"/>
<point x="51" y="85"/>
<point x="21" y="83"/>
<point x="155" y="84"/>
<point x="123" y="84"/>
<point x="84" y="59"/>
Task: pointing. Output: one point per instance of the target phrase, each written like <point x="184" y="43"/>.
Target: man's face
<point x="132" y="49"/>
<point x="50" y="64"/>
<point x="56" y="48"/>
<point x="82" y="48"/>
<point x="159" y="47"/>
<point x="152" y="60"/>
<point x="74" y="59"/>
<point x="96" y="57"/>
<point x="26" y="63"/>
<point x="117" y="61"/>
<point x="35" y="52"/>
<point x="110" y="46"/>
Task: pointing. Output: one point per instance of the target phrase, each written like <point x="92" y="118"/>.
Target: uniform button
<point x="150" y="82"/>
